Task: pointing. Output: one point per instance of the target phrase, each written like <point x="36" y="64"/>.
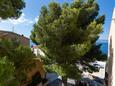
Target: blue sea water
<point x="104" y="46"/>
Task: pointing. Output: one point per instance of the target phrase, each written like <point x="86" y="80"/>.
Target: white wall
<point x="112" y="36"/>
<point x="37" y="51"/>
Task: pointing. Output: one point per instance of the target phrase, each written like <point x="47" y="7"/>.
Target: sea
<point x="104" y="46"/>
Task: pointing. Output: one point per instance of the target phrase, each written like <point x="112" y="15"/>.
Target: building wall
<point x="111" y="53"/>
<point x="10" y="35"/>
<point x="37" y="51"/>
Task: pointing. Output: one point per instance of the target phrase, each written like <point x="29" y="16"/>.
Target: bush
<point x="15" y="61"/>
<point x="6" y="71"/>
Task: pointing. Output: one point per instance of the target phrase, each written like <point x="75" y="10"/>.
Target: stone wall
<point x="11" y="35"/>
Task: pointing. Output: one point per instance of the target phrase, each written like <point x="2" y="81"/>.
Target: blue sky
<point x="30" y="14"/>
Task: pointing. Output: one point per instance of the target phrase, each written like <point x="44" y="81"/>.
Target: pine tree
<point x="66" y="34"/>
<point x="11" y="8"/>
<point x="94" y="54"/>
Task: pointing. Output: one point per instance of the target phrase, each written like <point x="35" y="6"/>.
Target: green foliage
<point x="20" y="56"/>
<point x="11" y="8"/>
<point x="22" y="59"/>
<point x="6" y="72"/>
<point x="7" y="47"/>
<point x="67" y="33"/>
<point x="94" y="54"/>
<point x="65" y="70"/>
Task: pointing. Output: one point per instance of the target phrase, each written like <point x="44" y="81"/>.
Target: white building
<point x="37" y="51"/>
<point x="110" y="71"/>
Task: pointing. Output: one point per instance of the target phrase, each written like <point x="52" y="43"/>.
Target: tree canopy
<point x="66" y="33"/>
<point x="11" y="8"/>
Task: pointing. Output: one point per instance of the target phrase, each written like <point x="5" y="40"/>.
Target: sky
<point x="30" y="14"/>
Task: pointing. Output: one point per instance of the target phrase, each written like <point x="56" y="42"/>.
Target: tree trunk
<point x="64" y="79"/>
